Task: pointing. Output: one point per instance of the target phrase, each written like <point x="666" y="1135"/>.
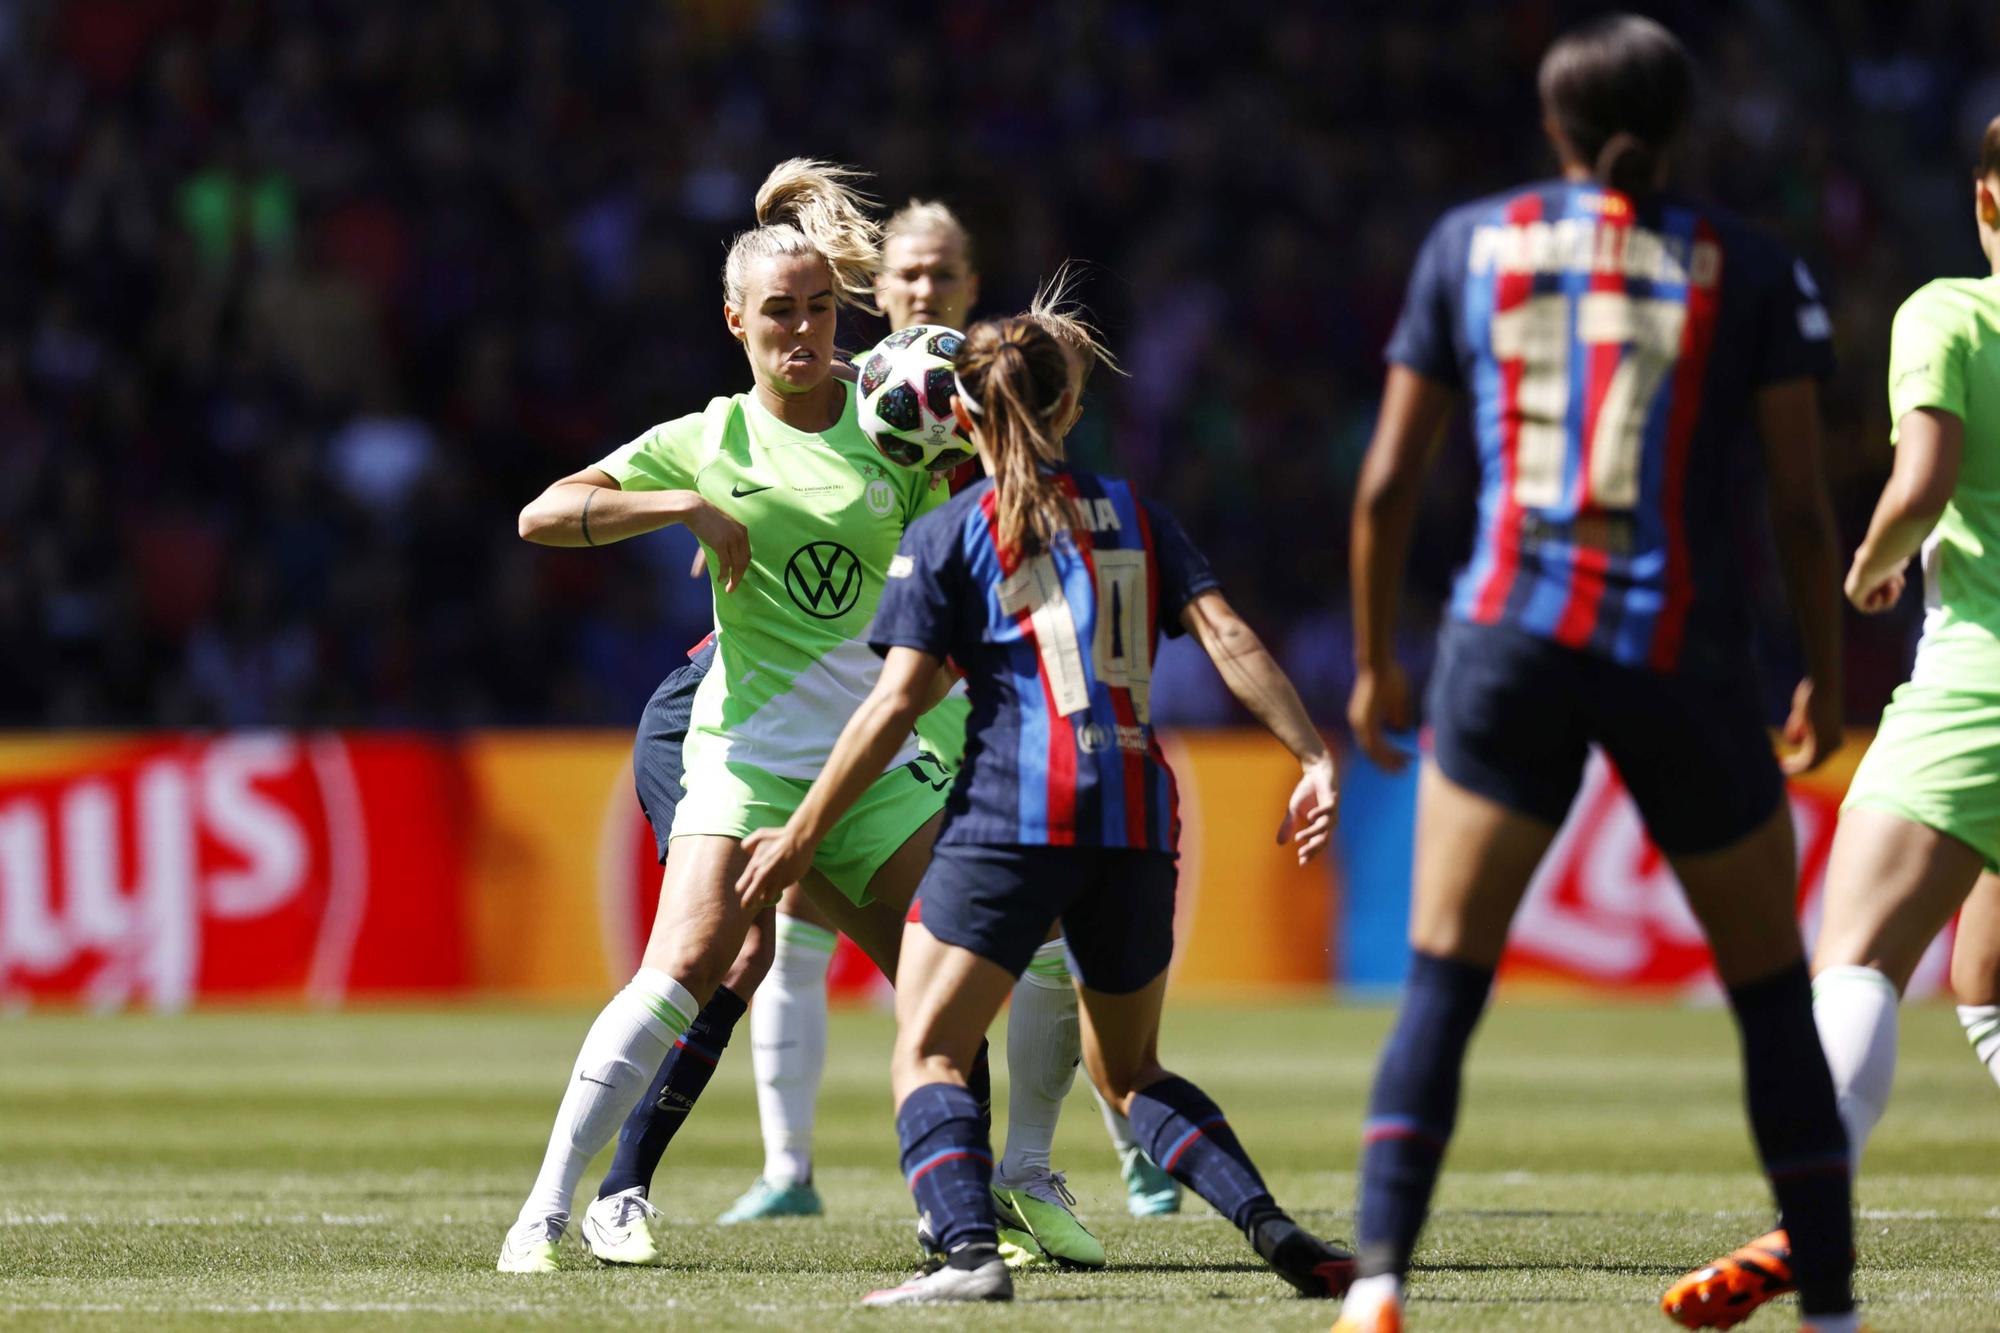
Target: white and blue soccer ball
<point x="906" y="386"/>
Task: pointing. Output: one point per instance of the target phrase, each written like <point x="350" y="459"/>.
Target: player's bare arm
<point x="1930" y="444"/>
<point x="589" y="508"/>
<point x="1808" y="556"/>
<point x="1386" y="499"/>
<point x="1260" y="684"/>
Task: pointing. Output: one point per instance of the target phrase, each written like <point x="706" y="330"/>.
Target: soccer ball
<point x="906" y="389"/>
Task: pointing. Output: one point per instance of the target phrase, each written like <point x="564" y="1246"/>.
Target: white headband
<point x="971" y="403"/>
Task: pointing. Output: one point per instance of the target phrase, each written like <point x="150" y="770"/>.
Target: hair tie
<point x="965" y="394"/>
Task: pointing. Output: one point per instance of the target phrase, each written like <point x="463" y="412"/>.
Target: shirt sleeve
<point x="1797" y="334"/>
<point x="1423" y="337"/>
<point x="916" y="610"/>
<point x="1927" y="355"/>
<point x="665" y="458"/>
<point x="1184" y="570"/>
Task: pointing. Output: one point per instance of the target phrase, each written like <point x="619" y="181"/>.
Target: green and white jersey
<point x="825" y="513"/>
<point x="1944" y="353"/>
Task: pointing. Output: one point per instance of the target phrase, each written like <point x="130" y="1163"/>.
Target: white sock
<point x="1982" y="1028"/>
<point x="1043" y="1047"/>
<point x="1834" y="1323"/>
<point x="621" y="1053"/>
<point x="1115" y="1124"/>
<point x="1369" y="1294"/>
<point x="1855" y="1011"/>
<point x="788" y="1047"/>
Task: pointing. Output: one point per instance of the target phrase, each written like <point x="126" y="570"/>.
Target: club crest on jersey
<point x="880" y="497"/>
<point x="824" y="579"/>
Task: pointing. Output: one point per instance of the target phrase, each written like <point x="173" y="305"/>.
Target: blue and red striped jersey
<point x="1612" y="350"/>
<point x="1057" y="652"/>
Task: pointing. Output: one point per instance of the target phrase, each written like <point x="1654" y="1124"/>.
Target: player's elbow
<point x="539" y="522"/>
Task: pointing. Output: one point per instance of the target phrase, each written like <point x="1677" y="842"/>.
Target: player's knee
<point x="1119" y="1080"/>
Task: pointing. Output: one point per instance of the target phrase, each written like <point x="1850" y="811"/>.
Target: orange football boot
<point x="1388" y="1319"/>
<point x="1728" y="1291"/>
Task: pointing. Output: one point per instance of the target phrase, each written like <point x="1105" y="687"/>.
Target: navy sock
<point x="660" y="1113"/>
<point x="1414" y="1107"/>
<point x="979" y="1082"/>
<point x="1187" y="1135"/>
<point x="948" y="1161"/>
<point x="1796" y="1122"/>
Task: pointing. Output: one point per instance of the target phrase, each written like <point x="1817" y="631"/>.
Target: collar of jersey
<point x="847" y="415"/>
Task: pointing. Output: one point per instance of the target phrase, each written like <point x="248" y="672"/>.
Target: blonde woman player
<point x="799" y="518"/>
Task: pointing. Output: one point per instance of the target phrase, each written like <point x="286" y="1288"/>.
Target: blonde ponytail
<point x="809" y="207"/>
<point x="1015" y="374"/>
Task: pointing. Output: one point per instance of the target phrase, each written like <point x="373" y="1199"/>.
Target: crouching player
<point x="1047" y="588"/>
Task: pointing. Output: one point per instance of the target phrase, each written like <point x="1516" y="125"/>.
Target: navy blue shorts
<point x="1116" y="906"/>
<point x="656" y="751"/>
<point x="1513" y="717"/>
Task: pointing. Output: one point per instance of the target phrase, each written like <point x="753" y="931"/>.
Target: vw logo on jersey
<point x="824" y="579"/>
<point x="880" y="497"/>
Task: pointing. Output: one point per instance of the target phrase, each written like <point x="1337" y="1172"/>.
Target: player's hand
<point x="778" y="860"/>
<point x="1872" y="596"/>
<point x="726" y="537"/>
<point x="1812" y="732"/>
<point x="1313" y="809"/>
<point x="1380" y="704"/>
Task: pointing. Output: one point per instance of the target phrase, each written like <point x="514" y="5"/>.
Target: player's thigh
<point x="1745" y="896"/>
<point x="1121" y="1038"/>
<point x="946" y="999"/>
<point x="700" y="923"/>
<point x="1891" y="886"/>
<point x="1508" y="746"/>
<point x="1975" y="953"/>
<point x="1474" y="860"/>
<point x="875" y="927"/>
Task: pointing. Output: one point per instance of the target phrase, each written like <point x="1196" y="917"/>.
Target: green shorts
<point x="729" y="800"/>
<point x="1935" y="761"/>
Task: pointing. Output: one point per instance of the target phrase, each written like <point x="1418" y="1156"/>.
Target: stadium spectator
<point x="232" y="235"/>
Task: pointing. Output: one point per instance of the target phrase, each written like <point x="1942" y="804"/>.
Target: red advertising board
<point x="158" y="869"/>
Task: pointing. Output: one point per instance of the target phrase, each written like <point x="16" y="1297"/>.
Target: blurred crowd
<point x="301" y="300"/>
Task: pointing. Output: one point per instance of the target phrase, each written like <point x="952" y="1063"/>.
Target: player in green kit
<point x="1921" y="821"/>
<point x="799" y="517"/>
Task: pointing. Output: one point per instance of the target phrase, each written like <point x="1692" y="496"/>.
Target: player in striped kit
<point x="1920" y="828"/>
<point x="1048" y="587"/>
<point x="1616" y="343"/>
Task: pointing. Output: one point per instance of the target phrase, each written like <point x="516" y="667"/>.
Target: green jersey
<point x="825" y="514"/>
<point x="1944" y="353"/>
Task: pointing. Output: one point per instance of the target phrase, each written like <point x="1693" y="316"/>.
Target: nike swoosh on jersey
<point x="738" y="492"/>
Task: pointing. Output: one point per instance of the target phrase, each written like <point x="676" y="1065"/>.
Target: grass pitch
<point x="242" y="1171"/>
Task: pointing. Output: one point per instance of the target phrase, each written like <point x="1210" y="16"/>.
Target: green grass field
<point x="249" y="1170"/>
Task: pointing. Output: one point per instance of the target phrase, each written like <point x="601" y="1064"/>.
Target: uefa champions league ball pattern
<point x="906" y="388"/>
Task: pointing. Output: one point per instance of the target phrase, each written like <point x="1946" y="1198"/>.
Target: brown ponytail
<point x="1013" y="375"/>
